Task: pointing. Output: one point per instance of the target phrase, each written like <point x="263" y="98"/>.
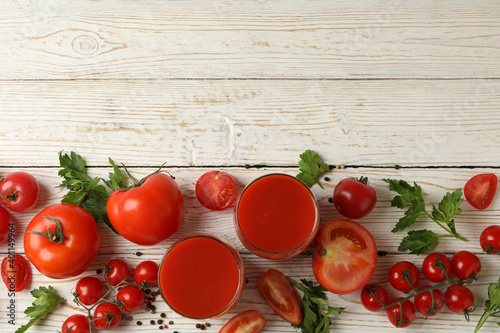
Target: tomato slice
<point x="345" y="256"/>
<point x="249" y="321"/>
<point x="480" y="190"/>
<point x="216" y="190"/>
<point x="281" y="295"/>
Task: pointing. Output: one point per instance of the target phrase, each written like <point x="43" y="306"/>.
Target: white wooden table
<point x="245" y="87"/>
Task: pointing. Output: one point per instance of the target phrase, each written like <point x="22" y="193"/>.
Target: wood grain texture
<point x="62" y="39"/>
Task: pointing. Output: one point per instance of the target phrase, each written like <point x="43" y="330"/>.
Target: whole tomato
<point x="149" y="213"/>
<point x="77" y="323"/>
<point x="62" y="241"/>
<point x="401" y="315"/>
<point x="354" y="198"/>
<point x="465" y="264"/>
<point x="107" y="316"/>
<point x="19" y="191"/>
<point x="404" y="276"/>
<point x="90" y="290"/>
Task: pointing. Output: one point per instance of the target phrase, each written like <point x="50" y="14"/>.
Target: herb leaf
<point x="492" y="305"/>
<point x="311" y="167"/>
<point x="419" y="242"/>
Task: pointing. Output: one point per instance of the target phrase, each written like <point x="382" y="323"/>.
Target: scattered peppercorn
<point x="161" y="327"/>
<point x="175" y="332"/>
<point x="152" y="322"/>
<point x="130" y="318"/>
<point x="330" y="200"/>
<point x="153" y="312"/>
<point x="163" y="315"/>
<point x="207" y="324"/>
<point x="198" y="325"/>
<point x="246" y="281"/>
<point x="98" y="271"/>
<point x="154" y="294"/>
<point x="160" y="321"/>
<point x="247" y="166"/>
<point x="171" y="322"/>
<point x="397" y="167"/>
<point x="202" y="327"/>
<point x="138" y="253"/>
<point x="147" y="291"/>
<point x="381" y="253"/>
<point x="139" y="322"/>
<point x="327" y="179"/>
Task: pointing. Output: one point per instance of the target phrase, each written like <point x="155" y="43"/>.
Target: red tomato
<point x="19" y="191"/>
<point x="146" y="272"/>
<point x="249" y="321"/>
<point x="77" y="323"/>
<point x="345" y="256"/>
<point x="68" y="255"/>
<point x="89" y="289"/>
<point x="107" y="316"/>
<point x="490" y="239"/>
<point x="216" y="190"/>
<point x="117" y="271"/>
<point x="131" y="297"/>
<point x="354" y="198"/>
<point x="149" y="213"/>
<point x="404" y="276"/>
<point x="401" y="315"/>
<point x="374" y="297"/>
<point x="16" y="272"/>
<point x="458" y="298"/>
<point x="281" y="295"/>
<point x="5" y="224"/>
<point x="464" y="264"/>
<point x="429" y="304"/>
<point x="433" y="270"/>
<point x="480" y="190"/>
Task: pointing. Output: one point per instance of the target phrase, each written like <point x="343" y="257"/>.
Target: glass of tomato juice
<point x="201" y="276"/>
<point x="276" y="216"/>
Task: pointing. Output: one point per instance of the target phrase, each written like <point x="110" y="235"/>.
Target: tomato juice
<point x="201" y="276"/>
<point x="276" y="216"/>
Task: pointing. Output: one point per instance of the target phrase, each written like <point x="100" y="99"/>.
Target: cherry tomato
<point x="429" y="304"/>
<point x="77" y="323"/>
<point x="281" y="295"/>
<point x="19" y="191"/>
<point x="354" y="198"/>
<point x="117" y="270"/>
<point x="480" y="190"/>
<point x="432" y="269"/>
<point x="16" y="272"/>
<point x="490" y="239"/>
<point x="464" y="264"/>
<point x="75" y="244"/>
<point x="458" y="298"/>
<point x="216" y="190"/>
<point x="5" y="224"/>
<point x="148" y="213"/>
<point x="146" y="271"/>
<point x="373" y="297"/>
<point x="132" y="297"/>
<point x="249" y="321"/>
<point x="90" y="289"/>
<point x="401" y="315"/>
<point x="404" y="276"/>
<point x="107" y="316"/>
<point x="345" y="256"/>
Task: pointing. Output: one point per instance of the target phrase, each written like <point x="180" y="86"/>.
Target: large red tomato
<point x="149" y="213"/>
<point x="70" y="248"/>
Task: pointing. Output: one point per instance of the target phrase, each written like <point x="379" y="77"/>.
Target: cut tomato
<point x="480" y="190"/>
<point x="249" y="321"/>
<point x="345" y="256"/>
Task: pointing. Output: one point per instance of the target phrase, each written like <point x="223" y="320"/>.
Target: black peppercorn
<point x="330" y="200"/>
<point x="160" y="321"/>
<point x="163" y="315"/>
<point x="139" y="322"/>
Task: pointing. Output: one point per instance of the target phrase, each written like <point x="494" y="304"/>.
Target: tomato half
<point x="149" y="213"/>
<point x="480" y="190"/>
<point x="19" y="191"/>
<point x="16" y="272"/>
<point x="281" y="295"/>
<point x="5" y="224"/>
<point x="249" y="321"/>
<point x="72" y="251"/>
<point x="345" y="256"/>
<point x="354" y="198"/>
<point x="216" y="190"/>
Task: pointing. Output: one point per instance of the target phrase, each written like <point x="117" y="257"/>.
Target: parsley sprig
<point x="422" y="241"/>
<point x="311" y="167"/>
<point x="491" y="305"/>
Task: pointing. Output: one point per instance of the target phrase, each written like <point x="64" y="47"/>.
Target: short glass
<point x="276" y="216"/>
<point x="201" y="276"/>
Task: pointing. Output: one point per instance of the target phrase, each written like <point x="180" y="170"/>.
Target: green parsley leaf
<point x="491" y="305"/>
<point x="47" y="300"/>
<point x="311" y="167"/>
<point x="419" y="242"/>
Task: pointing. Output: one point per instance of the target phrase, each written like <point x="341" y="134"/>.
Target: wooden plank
<point x="62" y="39"/>
<point x="196" y="123"/>
<point x="198" y="219"/>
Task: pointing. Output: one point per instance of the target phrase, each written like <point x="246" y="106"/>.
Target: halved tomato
<point x="345" y="256"/>
<point x="480" y="190"/>
<point x="281" y="295"/>
<point x="250" y="321"/>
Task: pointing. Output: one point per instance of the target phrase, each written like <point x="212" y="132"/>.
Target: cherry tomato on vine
<point x="5" y="221"/>
<point x="401" y="315"/>
<point x="90" y="289"/>
<point x="77" y="323"/>
<point x="429" y="304"/>
<point x="107" y="316"/>
<point x="117" y="270"/>
<point x="281" y="295"/>
<point x="249" y="321"/>
<point x="433" y="265"/>
<point x="458" y="298"/>
<point x="16" y="272"/>
<point x="19" y="191"/>
<point x="374" y="297"/>
<point x="404" y="276"/>
<point x="146" y="271"/>
<point x="216" y="190"/>
<point x="464" y="264"/>
<point x="490" y="239"/>
<point x="132" y="297"/>
<point x="354" y="198"/>
<point x="480" y="190"/>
